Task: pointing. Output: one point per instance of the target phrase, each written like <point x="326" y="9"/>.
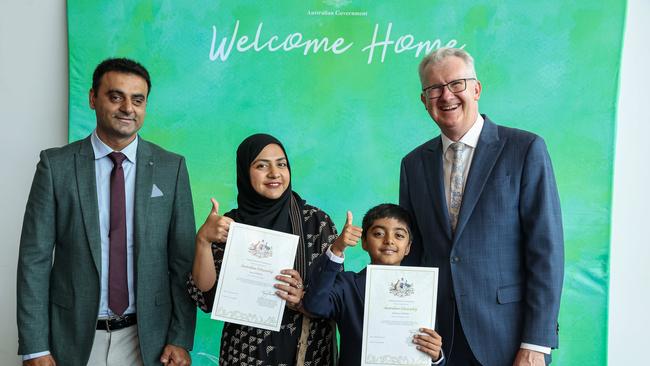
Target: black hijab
<point x="253" y="208"/>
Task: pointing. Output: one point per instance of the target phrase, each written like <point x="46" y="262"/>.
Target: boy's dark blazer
<point x="58" y="288"/>
<point x="503" y="267"/>
<point x="338" y="295"/>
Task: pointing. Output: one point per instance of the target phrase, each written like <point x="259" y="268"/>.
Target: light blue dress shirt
<point x="103" y="168"/>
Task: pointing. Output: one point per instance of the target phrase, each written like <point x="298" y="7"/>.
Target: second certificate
<point x="399" y="300"/>
<point x="253" y="257"/>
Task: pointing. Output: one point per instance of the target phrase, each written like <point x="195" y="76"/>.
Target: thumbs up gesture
<point x="349" y="237"/>
<point x="215" y="228"/>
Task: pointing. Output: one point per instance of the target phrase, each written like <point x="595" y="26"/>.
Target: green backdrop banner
<point x="336" y="81"/>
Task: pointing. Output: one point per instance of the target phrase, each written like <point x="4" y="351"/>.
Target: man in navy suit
<point x="486" y="212"/>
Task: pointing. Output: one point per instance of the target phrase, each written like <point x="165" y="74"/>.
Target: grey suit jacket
<point x="504" y="265"/>
<point x="59" y="264"/>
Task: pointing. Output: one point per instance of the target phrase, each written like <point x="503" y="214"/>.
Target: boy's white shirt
<point x="333" y="257"/>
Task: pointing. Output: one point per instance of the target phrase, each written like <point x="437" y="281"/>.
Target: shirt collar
<point x="470" y="138"/>
<point x="102" y="150"/>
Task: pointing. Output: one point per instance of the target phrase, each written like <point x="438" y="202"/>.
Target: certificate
<point x="399" y="300"/>
<point x="253" y="257"/>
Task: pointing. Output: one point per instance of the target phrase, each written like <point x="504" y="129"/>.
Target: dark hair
<point x="386" y="211"/>
<point x="123" y="65"/>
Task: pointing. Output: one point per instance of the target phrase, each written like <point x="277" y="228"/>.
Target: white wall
<point x="629" y="295"/>
<point x="33" y="110"/>
<point x="33" y="116"/>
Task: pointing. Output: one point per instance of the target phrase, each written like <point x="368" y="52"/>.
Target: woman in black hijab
<point x="265" y="199"/>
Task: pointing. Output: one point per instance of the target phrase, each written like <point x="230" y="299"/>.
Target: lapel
<point x="143" y="185"/>
<point x="487" y="152"/>
<point x="434" y="175"/>
<point x="360" y="282"/>
<point x="87" y="188"/>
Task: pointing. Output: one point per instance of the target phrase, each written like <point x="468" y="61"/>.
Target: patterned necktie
<point x="118" y="288"/>
<point x="456" y="183"/>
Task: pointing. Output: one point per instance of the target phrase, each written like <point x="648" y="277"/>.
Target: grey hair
<point x="440" y="54"/>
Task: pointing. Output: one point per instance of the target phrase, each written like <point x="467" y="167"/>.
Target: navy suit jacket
<point x="504" y="265"/>
<point x="338" y="295"/>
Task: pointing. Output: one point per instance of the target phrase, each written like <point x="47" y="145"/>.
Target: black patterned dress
<point x="301" y="340"/>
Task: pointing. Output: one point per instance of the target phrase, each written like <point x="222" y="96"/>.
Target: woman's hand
<point x="291" y="289"/>
<point x="349" y="237"/>
<point x="215" y="228"/>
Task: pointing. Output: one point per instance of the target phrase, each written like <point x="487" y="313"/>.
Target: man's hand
<point x="349" y="237"/>
<point x="175" y="356"/>
<point x="215" y="228"/>
<point x="46" y="360"/>
<point x="526" y="357"/>
<point x="429" y="342"/>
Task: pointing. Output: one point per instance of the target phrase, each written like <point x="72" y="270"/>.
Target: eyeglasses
<point x="454" y="86"/>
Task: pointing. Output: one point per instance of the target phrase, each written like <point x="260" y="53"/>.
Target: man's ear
<point x="424" y="100"/>
<point x="91" y="98"/>
<point x="363" y="243"/>
<point x="408" y="249"/>
<point x="477" y="90"/>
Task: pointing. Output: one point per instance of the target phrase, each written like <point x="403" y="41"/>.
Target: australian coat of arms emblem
<point x="260" y="249"/>
<point x="401" y="288"/>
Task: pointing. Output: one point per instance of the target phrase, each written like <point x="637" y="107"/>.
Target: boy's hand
<point x="349" y="237"/>
<point x="430" y="343"/>
<point x="215" y="228"/>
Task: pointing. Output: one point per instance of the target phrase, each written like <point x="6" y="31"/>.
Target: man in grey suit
<point x="107" y="240"/>
<point x="486" y="212"/>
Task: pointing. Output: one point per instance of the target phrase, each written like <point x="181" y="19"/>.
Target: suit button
<point x="455" y="259"/>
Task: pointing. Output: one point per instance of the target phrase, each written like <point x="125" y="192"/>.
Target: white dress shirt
<point x="470" y="139"/>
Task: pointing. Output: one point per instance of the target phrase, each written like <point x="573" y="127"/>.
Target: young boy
<point x="338" y="295"/>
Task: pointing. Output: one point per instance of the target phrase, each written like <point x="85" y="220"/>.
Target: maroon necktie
<point x="118" y="288"/>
